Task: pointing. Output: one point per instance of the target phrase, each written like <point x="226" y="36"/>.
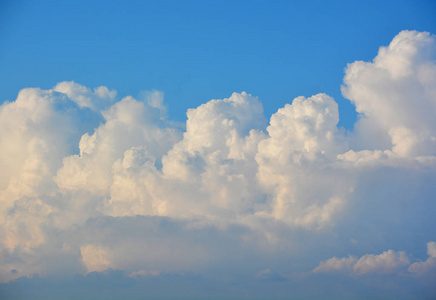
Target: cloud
<point x="336" y="264"/>
<point x="396" y="96"/>
<point x="428" y="267"/>
<point x="303" y="139"/>
<point x="37" y="131"/>
<point x="91" y="182"/>
<point x="156" y="99"/>
<point x="387" y="262"/>
<point x="128" y="123"/>
<point x="269" y="275"/>
<point x="95" y="258"/>
<point x="98" y="99"/>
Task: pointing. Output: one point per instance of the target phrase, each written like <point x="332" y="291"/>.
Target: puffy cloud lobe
<point x="156" y="99"/>
<point x="129" y="123"/>
<point x="216" y="156"/>
<point x="396" y="96"/>
<point x="98" y="99"/>
<point x="95" y="258"/>
<point x="303" y="131"/>
<point x="336" y="264"/>
<point x="133" y="177"/>
<point x="295" y="161"/>
<point x="428" y="267"/>
<point x="91" y="182"/>
<point x="37" y="131"/>
<point x="387" y="262"/>
<point x="223" y="128"/>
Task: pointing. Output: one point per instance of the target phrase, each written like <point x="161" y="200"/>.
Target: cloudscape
<point x="104" y="196"/>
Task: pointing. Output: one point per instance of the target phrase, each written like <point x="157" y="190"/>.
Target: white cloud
<point x="295" y="162"/>
<point x="129" y="123"/>
<point x="396" y="95"/>
<point x="98" y="99"/>
<point x="95" y="258"/>
<point x="156" y="99"/>
<point x="387" y="262"/>
<point x="90" y="182"/>
<point x="37" y="131"/>
<point x="428" y="267"/>
<point x="431" y="249"/>
<point x="336" y="264"/>
<point x="213" y="166"/>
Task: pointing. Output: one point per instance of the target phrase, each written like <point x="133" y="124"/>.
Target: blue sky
<point x="194" y="51"/>
<point x="217" y="150"/>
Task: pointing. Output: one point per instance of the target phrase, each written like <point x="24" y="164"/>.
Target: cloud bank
<point x="92" y="183"/>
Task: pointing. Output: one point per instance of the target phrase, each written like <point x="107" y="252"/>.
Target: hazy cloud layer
<point x="91" y="182"/>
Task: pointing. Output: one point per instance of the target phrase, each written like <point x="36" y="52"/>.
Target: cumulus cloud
<point x="91" y="182"/>
<point x="37" y="131"/>
<point x="128" y="123"/>
<point x="95" y="258"/>
<point x="336" y="264"/>
<point x="396" y="96"/>
<point x="294" y="162"/>
<point x="389" y="271"/>
<point x="98" y="99"/>
<point x="428" y="267"/>
<point x="387" y="262"/>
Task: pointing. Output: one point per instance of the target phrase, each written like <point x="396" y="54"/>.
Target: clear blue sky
<point x="194" y="51"/>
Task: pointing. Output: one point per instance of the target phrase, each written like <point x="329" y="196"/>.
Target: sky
<point x="217" y="150"/>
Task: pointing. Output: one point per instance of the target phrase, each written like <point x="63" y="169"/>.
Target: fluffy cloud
<point x="213" y="166"/>
<point x="396" y="96"/>
<point x="387" y="262"/>
<point x="90" y="182"/>
<point x="98" y="99"/>
<point x="295" y="162"/>
<point x="428" y="267"/>
<point x="37" y="131"/>
<point x="128" y="123"/>
<point x="95" y="258"/>
<point x="336" y="264"/>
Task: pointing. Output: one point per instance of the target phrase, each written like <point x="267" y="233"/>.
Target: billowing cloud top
<point x="91" y="182"/>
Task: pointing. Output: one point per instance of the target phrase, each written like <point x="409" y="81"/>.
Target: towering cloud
<point x="396" y="96"/>
<point x="295" y="162"/>
<point x="91" y="182"/>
